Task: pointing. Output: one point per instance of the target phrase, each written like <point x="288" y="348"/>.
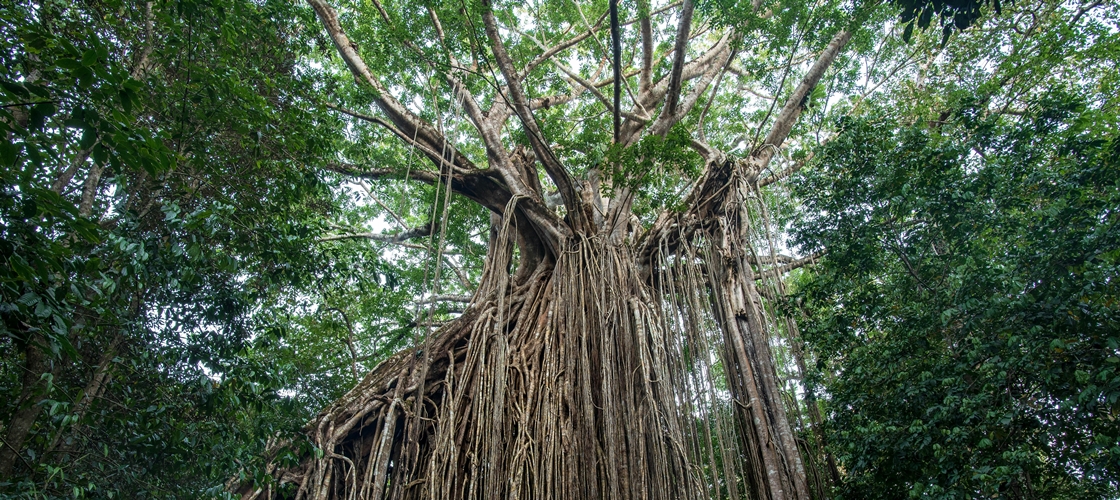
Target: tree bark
<point x="35" y="365"/>
<point x="754" y="378"/>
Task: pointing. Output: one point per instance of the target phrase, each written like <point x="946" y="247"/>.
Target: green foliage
<point x="157" y="217"/>
<point x="965" y="321"/>
<point x="951" y="14"/>
<point x="654" y="161"/>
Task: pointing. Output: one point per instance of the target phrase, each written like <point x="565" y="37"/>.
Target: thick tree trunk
<point x="601" y="368"/>
<point x="586" y="376"/>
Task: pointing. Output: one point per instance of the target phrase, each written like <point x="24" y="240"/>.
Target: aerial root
<point x="584" y="382"/>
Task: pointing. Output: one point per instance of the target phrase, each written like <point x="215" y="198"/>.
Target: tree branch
<point x="409" y="124"/>
<point x="616" y="61"/>
<point x="463" y="299"/>
<point x="379" y="173"/>
<point x="796" y="264"/>
<point x="349" y="341"/>
<point x="424" y="148"/>
<point x="679" y="54"/>
<point x="792" y="169"/>
<point x="566" y="44"/>
<point x="558" y="48"/>
<point x="796" y="102"/>
<point x="666" y="121"/>
<point x="418" y="232"/>
<point x="520" y="104"/>
<point x="646" y="29"/>
<point x="697" y="67"/>
<point x="594" y="89"/>
<point x="481" y="186"/>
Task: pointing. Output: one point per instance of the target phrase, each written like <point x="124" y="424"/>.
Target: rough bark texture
<point x="587" y="378"/>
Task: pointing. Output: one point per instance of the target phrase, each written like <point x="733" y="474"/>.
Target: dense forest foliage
<point x="197" y="259"/>
<point x="965" y="323"/>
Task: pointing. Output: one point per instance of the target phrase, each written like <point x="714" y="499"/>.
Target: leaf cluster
<point x="964" y="321"/>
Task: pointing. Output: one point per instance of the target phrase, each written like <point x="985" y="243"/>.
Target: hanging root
<point x="585" y="381"/>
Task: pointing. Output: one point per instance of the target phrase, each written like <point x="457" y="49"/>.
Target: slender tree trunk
<point x="35" y="365"/>
<point x="93" y="390"/>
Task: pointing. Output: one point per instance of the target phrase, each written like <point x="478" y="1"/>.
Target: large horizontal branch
<point x="409" y="234"/>
<point x="464" y="299"/>
<point x="352" y="170"/>
<point x="481" y="186"/>
<point x="773" y="259"/>
<point x="796" y="264"/>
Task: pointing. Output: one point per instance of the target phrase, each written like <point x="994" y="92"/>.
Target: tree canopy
<point x="219" y="216"/>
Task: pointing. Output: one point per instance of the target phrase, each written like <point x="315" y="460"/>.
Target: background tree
<point x="964" y="321"/>
<point x="157" y="219"/>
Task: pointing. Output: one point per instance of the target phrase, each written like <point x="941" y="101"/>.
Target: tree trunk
<point x="752" y="376"/>
<point x="608" y="365"/>
<point x="35" y="365"/>
<point x="587" y="376"/>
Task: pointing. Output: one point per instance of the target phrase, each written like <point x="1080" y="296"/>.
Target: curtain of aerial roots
<point x="583" y="382"/>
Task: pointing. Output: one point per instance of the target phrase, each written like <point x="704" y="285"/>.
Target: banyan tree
<point x="615" y="348"/>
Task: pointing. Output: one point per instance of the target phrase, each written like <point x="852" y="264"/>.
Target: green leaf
<point x="21" y="267"/>
<point x="39" y="114"/>
<point x="89" y="137"/>
<point x="16" y="90"/>
<point x="89" y="58"/>
<point x="100" y="153"/>
<point x="8" y="153"/>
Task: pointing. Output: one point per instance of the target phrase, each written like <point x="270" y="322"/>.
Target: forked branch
<point x="520" y="104"/>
